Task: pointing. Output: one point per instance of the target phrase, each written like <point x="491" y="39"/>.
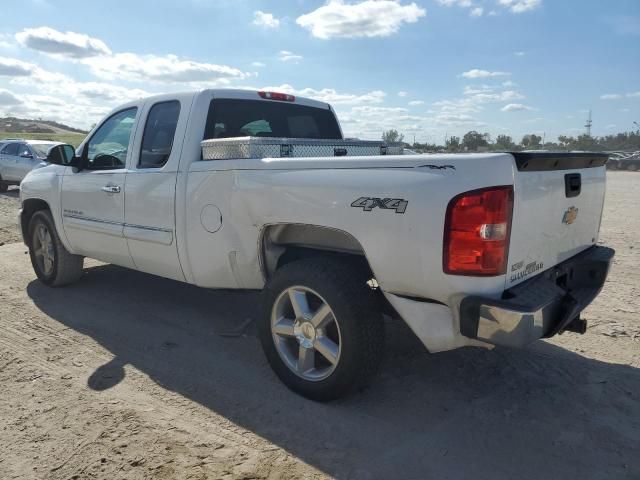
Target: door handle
<point x="111" y="189"/>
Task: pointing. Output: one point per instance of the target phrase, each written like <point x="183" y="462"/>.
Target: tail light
<point x="283" y="97"/>
<point x="476" y="232"/>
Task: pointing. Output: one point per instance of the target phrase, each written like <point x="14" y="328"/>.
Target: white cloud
<point x="475" y="98"/>
<point x="402" y="94"/>
<point x="476" y="73"/>
<point x="520" y="6"/>
<point x="516" y="107"/>
<point x="57" y="92"/>
<point x="459" y="3"/>
<point x="476" y="89"/>
<point x="66" y="44"/>
<point x="465" y="105"/>
<point x="287" y="56"/>
<point x="611" y="96"/>
<point x="8" y="98"/>
<point x="6" y="40"/>
<point x="369" y="18"/>
<point x="456" y="120"/>
<point x="475" y="11"/>
<point x="108" y="92"/>
<point x="415" y="103"/>
<point x="509" y="83"/>
<point x="519" y="54"/>
<point x="127" y="66"/>
<point x="634" y="94"/>
<point x="504" y="96"/>
<point x="12" y="67"/>
<point x="369" y="121"/>
<point x="453" y="113"/>
<point x="162" y="69"/>
<point x="266" y="20"/>
<point x="258" y="64"/>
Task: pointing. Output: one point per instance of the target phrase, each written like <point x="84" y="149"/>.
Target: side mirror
<point x="63" y="155"/>
<point x="26" y="155"/>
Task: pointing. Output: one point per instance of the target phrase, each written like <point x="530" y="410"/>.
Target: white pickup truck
<point x="469" y="250"/>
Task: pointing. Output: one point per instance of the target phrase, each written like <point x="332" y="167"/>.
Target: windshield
<point x="41" y="149"/>
<point x="260" y="118"/>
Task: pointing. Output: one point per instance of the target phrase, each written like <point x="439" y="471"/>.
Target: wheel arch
<point x="29" y="207"/>
<point x="283" y="243"/>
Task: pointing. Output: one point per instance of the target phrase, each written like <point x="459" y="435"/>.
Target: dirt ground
<point x="126" y="375"/>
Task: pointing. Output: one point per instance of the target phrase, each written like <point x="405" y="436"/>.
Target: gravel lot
<point x="126" y="375"/>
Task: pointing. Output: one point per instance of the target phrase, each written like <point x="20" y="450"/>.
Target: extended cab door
<point x="92" y="199"/>
<point x="150" y="221"/>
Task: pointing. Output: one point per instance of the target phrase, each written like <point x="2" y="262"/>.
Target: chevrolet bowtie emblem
<point x="570" y="215"/>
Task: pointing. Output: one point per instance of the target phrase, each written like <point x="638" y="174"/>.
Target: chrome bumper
<point x="548" y="304"/>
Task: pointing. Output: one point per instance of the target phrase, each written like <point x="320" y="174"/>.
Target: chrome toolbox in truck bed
<point x="269" y="147"/>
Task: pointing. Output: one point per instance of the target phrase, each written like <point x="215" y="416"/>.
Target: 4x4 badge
<point x="369" y="203"/>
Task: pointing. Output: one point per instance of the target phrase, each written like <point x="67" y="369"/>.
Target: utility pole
<point x="589" y="124"/>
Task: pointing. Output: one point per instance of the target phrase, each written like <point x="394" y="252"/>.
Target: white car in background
<point x="18" y="157"/>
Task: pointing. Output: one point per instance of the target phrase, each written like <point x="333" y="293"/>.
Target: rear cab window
<point x="263" y="118"/>
<point x="159" y="131"/>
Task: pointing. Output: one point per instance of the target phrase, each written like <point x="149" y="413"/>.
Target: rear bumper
<point x="538" y="308"/>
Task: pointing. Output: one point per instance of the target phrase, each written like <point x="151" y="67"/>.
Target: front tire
<point x="53" y="264"/>
<point x="321" y="329"/>
<point x="3" y="186"/>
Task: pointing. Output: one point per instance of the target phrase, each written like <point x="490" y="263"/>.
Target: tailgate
<point x="558" y="200"/>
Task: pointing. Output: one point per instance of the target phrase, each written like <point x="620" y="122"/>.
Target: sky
<point x="428" y="68"/>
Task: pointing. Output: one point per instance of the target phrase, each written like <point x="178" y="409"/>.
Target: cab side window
<point x="158" y="135"/>
<point x="107" y="149"/>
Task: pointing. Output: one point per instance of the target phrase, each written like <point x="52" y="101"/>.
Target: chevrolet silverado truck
<point x="469" y="250"/>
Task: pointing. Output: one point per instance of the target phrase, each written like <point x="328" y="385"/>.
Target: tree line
<point x="474" y="141"/>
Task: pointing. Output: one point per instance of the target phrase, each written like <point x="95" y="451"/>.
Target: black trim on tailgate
<point x="544" y="161"/>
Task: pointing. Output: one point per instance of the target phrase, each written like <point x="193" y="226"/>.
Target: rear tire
<point x="331" y="341"/>
<point x="3" y="186"/>
<point x="53" y="264"/>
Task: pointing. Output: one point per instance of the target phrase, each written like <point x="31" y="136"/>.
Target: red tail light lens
<point x="283" y="97"/>
<point x="476" y="232"/>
